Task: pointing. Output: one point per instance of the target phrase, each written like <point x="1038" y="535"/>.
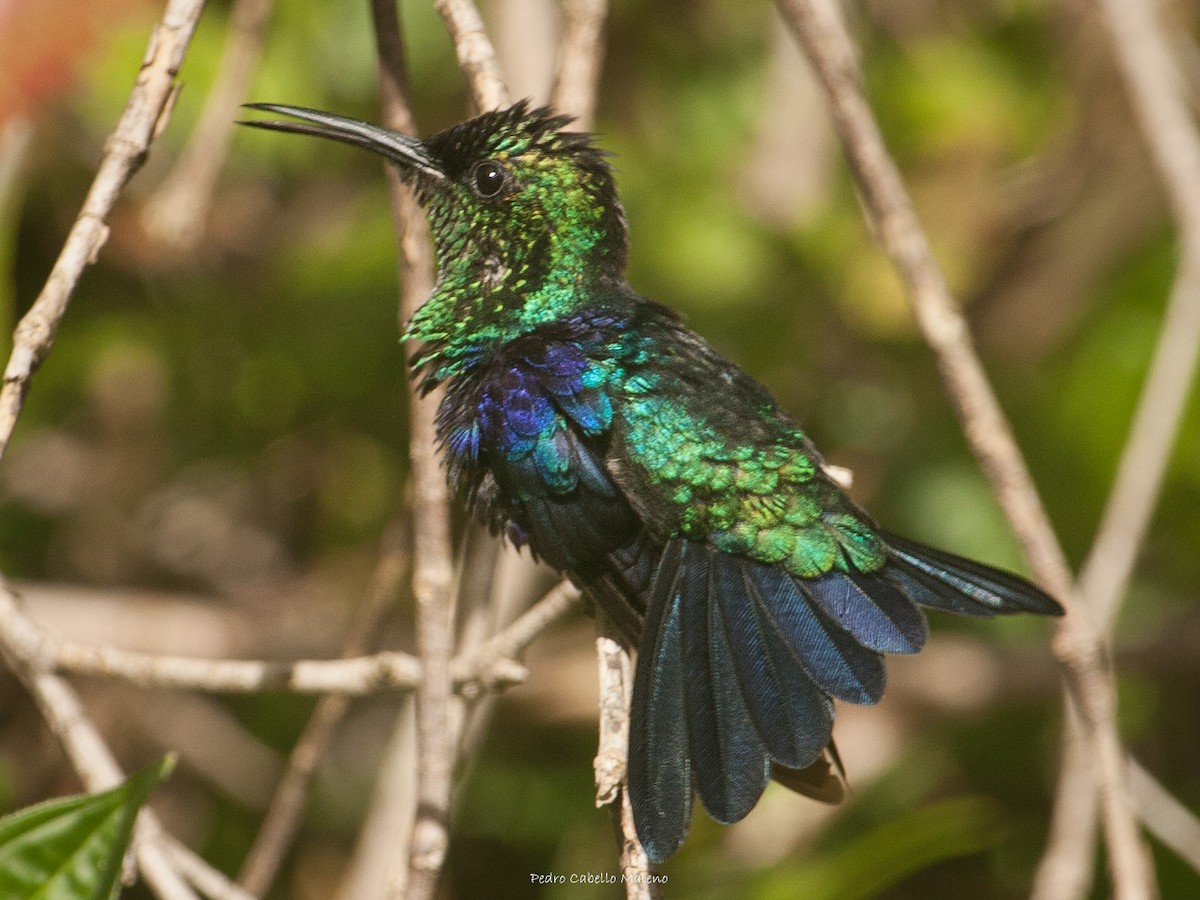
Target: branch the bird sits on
<point x="591" y="425"/>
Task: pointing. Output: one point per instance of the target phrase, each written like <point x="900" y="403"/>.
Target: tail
<point x="740" y="661"/>
<point x="942" y="580"/>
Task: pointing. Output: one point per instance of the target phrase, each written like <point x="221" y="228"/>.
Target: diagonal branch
<point x="157" y="854"/>
<point x="1154" y="84"/>
<point x="145" y="115"/>
<point x="819" y="28"/>
<point x="1155" y="87"/>
<point x="476" y="55"/>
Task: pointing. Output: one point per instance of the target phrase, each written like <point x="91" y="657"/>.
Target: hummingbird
<point x="592" y="426"/>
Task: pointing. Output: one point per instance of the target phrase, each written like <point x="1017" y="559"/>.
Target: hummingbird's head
<point x="516" y="203"/>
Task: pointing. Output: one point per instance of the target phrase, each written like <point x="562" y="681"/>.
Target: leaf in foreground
<point x="71" y="848"/>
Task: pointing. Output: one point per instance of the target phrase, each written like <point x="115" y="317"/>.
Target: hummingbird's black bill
<point x="402" y="149"/>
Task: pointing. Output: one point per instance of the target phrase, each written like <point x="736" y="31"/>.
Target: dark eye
<point x="489" y="178"/>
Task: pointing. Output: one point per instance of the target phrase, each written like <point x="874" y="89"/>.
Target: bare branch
<point x="476" y="55"/>
<point x="493" y="666"/>
<point x="579" y="59"/>
<point x="616" y="690"/>
<point x="208" y="881"/>
<point x="433" y="570"/>
<point x="1065" y="869"/>
<point x="145" y="114"/>
<point x="819" y="28"/>
<point x="352" y="676"/>
<point x="614" y="671"/>
<point x="1166" y="818"/>
<point x="381" y="851"/>
<point x="179" y="208"/>
<point x="497" y="654"/>
<point x="1155" y="87"/>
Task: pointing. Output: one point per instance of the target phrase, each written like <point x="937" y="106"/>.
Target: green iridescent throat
<point x="505" y="268"/>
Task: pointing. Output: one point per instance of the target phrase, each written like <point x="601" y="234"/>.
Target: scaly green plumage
<point x="591" y="425"/>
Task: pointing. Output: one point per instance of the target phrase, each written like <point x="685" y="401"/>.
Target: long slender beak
<point x="407" y="152"/>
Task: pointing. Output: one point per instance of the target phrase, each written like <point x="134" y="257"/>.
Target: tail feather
<point x="824" y="779"/>
<point x="872" y="610"/>
<point x="942" y="580"/>
<point x="739" y="663"/>
<point x="793" y="718"/>
<point x="729" y="762"/>
<point x="660" y="779"/>
<point x="834" y="660"/>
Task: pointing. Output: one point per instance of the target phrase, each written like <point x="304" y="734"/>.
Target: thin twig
<point x="819" y="28"/>
<point x="352" y="676"/>
<point x="1154" y="84"/>
<point x="505" y="647"/>
<point x="177" y="211"/>
<point x="476" y="55"/>
<point x="1166" y="818"/>
<point x="386" y="831"/>
<point x="494" y="666"/>
<point x="208" y="881"/>
<point x="616" y="688"/>
<point x="612" y="749"/>
<point x="1065" y="869"/>
<point x="145" y="114"/>
<point x="283" y="817"/>
<point x="579" y="59"/>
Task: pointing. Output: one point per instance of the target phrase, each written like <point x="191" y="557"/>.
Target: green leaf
<point x="71" y="848"/>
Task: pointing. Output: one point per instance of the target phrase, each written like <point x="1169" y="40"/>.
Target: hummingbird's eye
<point x="489" y="178"/>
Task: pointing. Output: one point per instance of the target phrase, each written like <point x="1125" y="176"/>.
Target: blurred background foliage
<point x="210" y="453"/>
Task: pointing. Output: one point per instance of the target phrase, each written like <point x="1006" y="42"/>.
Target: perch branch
<point x="819" y="28"/>
<point x="616" y="688"/>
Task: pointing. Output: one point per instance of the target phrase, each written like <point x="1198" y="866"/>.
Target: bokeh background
<point x="212" y="450"/>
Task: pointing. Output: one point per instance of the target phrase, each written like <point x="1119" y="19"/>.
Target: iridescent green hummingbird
<point x="591" y="425"/>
